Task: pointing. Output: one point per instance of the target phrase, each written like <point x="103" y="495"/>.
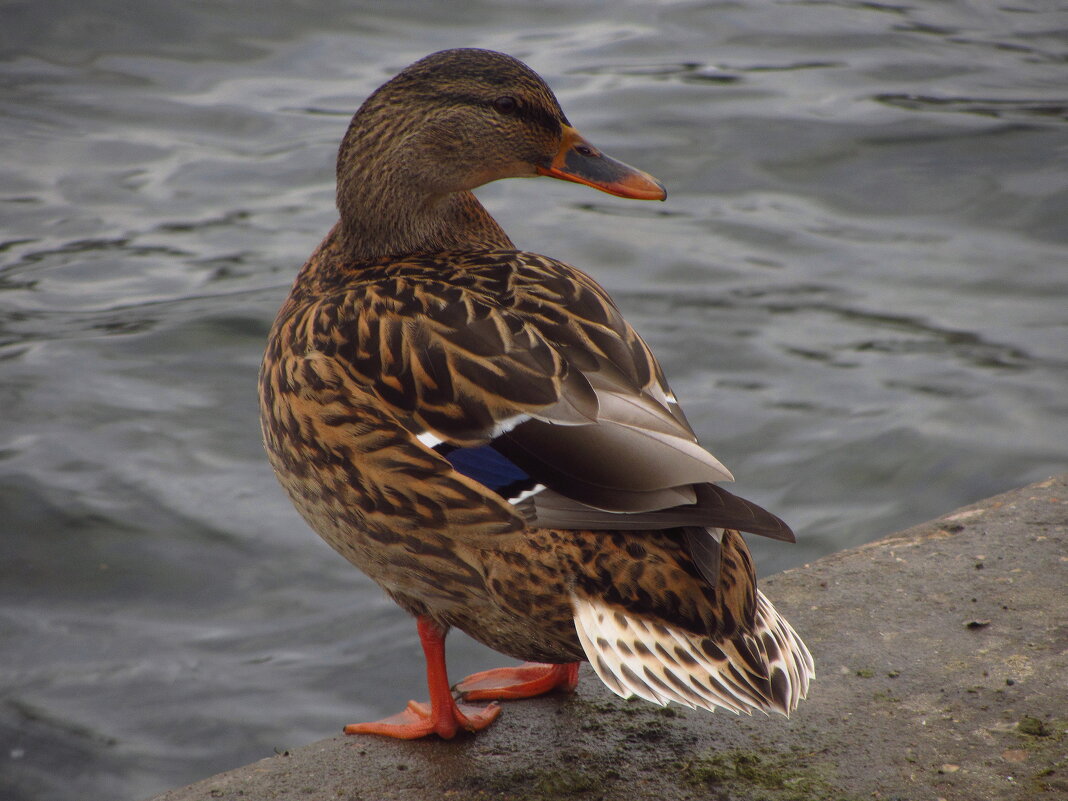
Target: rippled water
<point x="858" y="288"/>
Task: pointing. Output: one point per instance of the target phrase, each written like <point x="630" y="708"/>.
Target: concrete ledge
<point x="942" y="672"/>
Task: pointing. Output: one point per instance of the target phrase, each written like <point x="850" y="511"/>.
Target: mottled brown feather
<point x="415" y="317"/>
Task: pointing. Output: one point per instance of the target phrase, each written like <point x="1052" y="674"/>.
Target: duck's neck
<point x="397" y="190"/>
<point x="387" y="223"/>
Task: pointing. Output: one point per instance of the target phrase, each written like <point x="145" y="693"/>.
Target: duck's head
<point x="460" y="118"/>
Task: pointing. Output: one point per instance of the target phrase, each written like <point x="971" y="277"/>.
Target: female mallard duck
<point x="479" y="430"/>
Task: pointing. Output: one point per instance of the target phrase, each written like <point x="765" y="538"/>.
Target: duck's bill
<point x="579" y="161"/>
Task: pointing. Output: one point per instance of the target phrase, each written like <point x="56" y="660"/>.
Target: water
<point x="857" y="288"/>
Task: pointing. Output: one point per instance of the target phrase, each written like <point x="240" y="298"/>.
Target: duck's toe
<point x="523" y="681"/>
<point x="420" y="720"/>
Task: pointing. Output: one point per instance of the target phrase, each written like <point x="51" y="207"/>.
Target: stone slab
<point x="942" y="673"/>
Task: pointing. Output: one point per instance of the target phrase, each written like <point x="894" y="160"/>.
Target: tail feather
<point x="768" y="669"/>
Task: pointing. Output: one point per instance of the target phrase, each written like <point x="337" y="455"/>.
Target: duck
<point x="479" y="430"/>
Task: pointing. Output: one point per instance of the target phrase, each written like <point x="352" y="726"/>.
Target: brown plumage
<point x="480" y="431"/>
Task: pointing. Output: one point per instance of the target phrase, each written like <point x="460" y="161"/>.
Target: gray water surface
<point x="858" y="288"/>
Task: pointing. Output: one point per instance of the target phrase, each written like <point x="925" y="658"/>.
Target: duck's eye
<point x="506" y="104"/>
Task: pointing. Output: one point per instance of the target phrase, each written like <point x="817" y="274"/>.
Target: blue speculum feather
<point x="486" y="465"/>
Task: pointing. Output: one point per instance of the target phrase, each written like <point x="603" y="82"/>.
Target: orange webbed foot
<point x="524" y="681"/>
<point x="442" y="716"/>
<point x="419" y="720"/>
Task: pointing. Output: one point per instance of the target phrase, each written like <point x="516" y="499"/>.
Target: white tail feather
<point x="662" y="663"/>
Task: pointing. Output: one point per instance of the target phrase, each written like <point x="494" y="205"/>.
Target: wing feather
<point x="531" y="356"/>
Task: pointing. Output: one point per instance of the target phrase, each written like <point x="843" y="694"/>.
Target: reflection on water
<point x="857" y="288"/>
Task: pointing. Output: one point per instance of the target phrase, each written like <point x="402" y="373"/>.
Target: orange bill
<point x="579" y="161"/>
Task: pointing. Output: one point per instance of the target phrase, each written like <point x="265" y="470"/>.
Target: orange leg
<point x="524" y="681"/>
<point x="443" y="716"/>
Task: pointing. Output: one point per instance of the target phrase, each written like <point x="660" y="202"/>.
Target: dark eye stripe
<point x="536" y="115"/>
